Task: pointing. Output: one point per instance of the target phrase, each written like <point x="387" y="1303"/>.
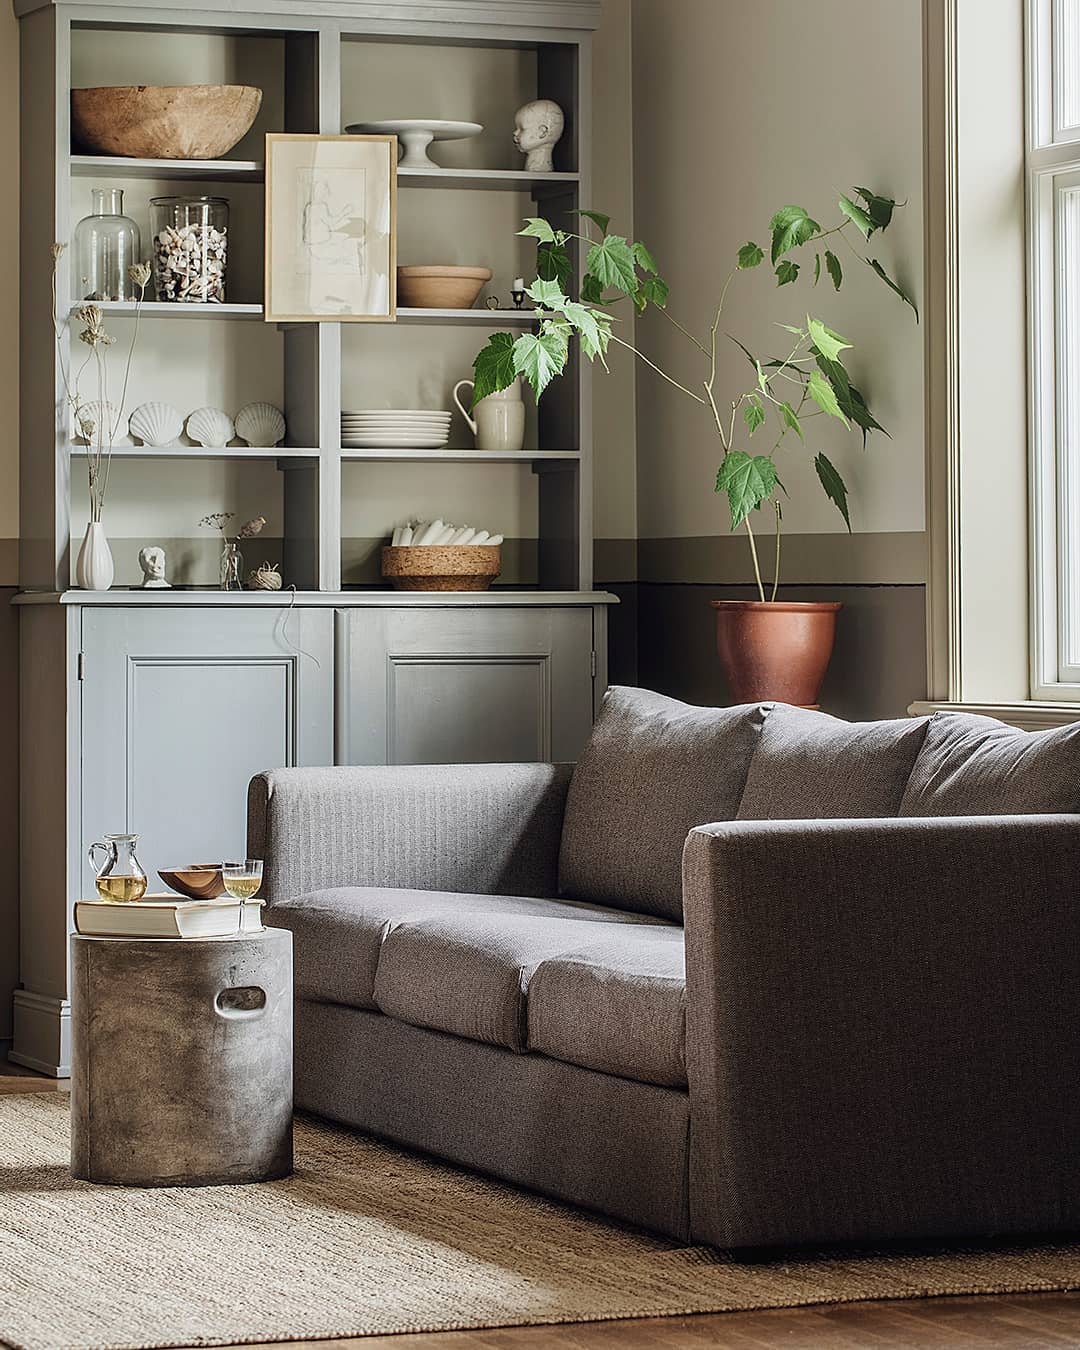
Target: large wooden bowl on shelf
<point x="442" y="567"/>
<point x="440" y="287"/>
<point x="146" y="121"/>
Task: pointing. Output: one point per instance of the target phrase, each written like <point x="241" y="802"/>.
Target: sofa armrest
<point x="491" y="828"/>
<point x="883" y="1037"/>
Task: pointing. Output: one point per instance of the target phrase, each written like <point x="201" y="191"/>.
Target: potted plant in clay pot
<point x="769" y="648"/>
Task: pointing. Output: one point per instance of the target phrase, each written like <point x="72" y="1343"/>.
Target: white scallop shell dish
<point x="260" y="424"/>
<point x="100" y="415"/>
<point x="156" y="424"/>
<point x="210" y="427"/>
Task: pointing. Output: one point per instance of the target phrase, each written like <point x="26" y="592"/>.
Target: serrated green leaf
<point x="879" y="209"/>
<point x="791" y="420"/>
<point x="828" y="343"/>
<point x="655" y="290"/>
<point x="893" y="285"/>
<point x="787" y="272"/>
<point x="791" y="226"/>
<point x="538" y="228"/>
<point x="753" y="413"/>
<point x="593" y="327"/>
<point x="539" y="357"/>
<point x="832" y="262"/>
<point x="852" y="404"/>
<point x="493" y="367"/>
<point x="553" y="264"/>
<point x="750" y="255"/>
<point x="834" y="485"/>
<point x="597" y="217"/>
<point x="592" y="290"/>
<point x="821" y="391"/>
<point x="817" y="268"/>
<point x="546" y="293"/>
<point x="747" y="481"/>
<point x="644" y="259"/>
<point x="858" y="215"/>
<point x="612" y="262"/>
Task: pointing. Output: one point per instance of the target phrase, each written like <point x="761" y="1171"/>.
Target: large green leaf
<point x="655" y="290"/>
<point x="539" y="357"/>
<point x="644" y="259"/>
<point x="592" y="326"/>
<point x="748" y="481"/>
<point x="893" y="285"/>
<point x="791" y="420"/>
<point x="834" y="485"/>
<point x="821" y="391"/>
<point x="753" y="413"/>
<point x="828" y="343"/>
<point x="858" y="215"/>
<point x="852" y="404"/>
<point x="597" y="217"/>
<point x="791" y="226"/>
<point x="553" y="264"/>
<point x="787" y="272"/>
<point x="549" y="294"/>
<point x="538" y="228"/>
<point x="592" y="289"/>
<point x="879" y="209"/>
<point x="494" y="367"/>
<point x="612" y="262"/>
<point x="750" y="255"/>
<point x="832" y="262"/>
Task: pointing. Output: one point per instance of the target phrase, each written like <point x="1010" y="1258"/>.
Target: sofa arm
<point x="474" y="827"/>
<point x="883" y="1038"/>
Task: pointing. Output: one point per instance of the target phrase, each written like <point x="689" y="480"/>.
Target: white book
<point x="160" y="916"/>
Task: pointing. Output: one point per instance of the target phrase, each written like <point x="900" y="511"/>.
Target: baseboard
<point x="42" y="1033"/>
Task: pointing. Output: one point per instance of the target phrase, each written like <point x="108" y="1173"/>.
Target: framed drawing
<point x="331" y="221"/>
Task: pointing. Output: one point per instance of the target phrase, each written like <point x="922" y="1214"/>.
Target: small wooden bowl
<point x="445" y="567"/>
<point x="440" y="287"/>
<point x="192" y="121"/>
<point x="198" y="881"/>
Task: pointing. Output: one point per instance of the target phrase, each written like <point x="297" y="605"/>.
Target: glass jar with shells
<point x="191" y="239"/>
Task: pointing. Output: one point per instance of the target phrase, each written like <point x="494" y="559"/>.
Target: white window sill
<point x="1029" y="716"/>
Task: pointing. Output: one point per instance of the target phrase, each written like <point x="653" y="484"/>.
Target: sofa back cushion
<point x="810" y="766"/>
<point x="652" y="770"/>
<point x="977" y="766"/>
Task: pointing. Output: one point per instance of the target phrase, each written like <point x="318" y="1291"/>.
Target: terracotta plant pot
<point x="776" y="651"/>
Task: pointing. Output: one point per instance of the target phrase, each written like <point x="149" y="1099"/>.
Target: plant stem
<point x="776" y="569"/>
<point x="753" y="554"/>
<point x="663" y="374"/>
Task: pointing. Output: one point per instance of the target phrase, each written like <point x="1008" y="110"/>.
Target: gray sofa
<point x="747" y="976"/>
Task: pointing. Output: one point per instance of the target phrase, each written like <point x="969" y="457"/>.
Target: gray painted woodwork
<point x="435" y="687"/>
<point x="181" y="1060"/>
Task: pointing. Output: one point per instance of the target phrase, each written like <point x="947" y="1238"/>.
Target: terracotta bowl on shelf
<point x="438" y="287"/>
<point x="145" y="121"/>
<point x="445" y="567"/>
<point x="198" y="881"/>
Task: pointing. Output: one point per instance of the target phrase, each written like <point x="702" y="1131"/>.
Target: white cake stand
<point x="415" y="136"/>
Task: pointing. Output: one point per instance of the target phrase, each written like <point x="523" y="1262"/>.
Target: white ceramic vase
<point x="94" y="565"/>
<point x="499" y="423"/>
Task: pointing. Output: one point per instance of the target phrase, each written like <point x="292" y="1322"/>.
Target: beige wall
<point x="9" y="298"/>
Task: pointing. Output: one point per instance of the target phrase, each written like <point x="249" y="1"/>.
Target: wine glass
<point x="242" y="879"/>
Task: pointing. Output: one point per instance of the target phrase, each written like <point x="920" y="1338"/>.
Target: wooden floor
<point x="1028" y="1322"/>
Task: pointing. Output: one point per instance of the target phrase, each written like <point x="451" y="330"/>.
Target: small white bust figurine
<point x="152" y="562"/>
<point x="537" y="128"/>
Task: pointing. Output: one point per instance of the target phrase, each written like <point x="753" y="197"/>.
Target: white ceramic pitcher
<point x="499" y="422"/>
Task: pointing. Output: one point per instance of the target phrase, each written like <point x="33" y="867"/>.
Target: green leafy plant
<point x="785" y="392"/>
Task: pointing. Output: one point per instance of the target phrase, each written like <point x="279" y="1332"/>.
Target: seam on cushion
<point x="766" y="710"/>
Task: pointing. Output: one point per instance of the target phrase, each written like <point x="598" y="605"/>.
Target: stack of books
<point x="168" y="916"/>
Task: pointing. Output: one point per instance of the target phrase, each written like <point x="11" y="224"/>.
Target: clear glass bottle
<point x="191" y="244"/>
<point x="106" y="244"/>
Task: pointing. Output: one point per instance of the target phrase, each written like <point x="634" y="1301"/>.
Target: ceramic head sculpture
<point x="537" y="129"/>
<point x="152" y="562"/>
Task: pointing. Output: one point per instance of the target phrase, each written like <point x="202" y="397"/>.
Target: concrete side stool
<point x="181" y="1069"/>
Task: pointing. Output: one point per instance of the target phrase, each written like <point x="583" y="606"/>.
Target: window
<point x="1053" y="195"/>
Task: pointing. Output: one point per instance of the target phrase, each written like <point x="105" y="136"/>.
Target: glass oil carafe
<point x="106" y="245"/>
<point x="120" y="877"/>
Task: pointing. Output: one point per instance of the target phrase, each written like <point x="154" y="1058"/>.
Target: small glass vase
<point x="231" y="564"/>
<point x="106" y="244"/>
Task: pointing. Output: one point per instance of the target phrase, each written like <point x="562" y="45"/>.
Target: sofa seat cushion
<point x="652" y="770"/>
<point x="978" y="766"/>
<point x="810" y="766"/>
<point x="617" y="1005"/>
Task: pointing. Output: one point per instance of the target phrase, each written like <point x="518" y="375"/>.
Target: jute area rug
<point x="365" y="1239"/>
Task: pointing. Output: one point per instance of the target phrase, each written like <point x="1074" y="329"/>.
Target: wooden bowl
<point x="194" y="121"/>
<point x="440" y="287"/>
<point x="198" y="881"/>
<point x="445" y="567"/>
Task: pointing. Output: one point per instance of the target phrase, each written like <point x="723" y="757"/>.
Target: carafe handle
<point x="472" y="424"/>
<point x="90" y="853"/>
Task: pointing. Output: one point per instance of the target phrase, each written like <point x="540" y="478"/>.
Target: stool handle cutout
<point x="245" y="1000"/>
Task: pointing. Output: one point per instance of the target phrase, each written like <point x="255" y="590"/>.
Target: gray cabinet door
<point x="460" y="685"/>
<point x="180" y="707"/>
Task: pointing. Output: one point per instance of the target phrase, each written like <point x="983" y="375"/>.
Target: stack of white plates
<point x="395" y="428"/>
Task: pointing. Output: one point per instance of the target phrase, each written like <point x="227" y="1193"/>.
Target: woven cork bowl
<point x="446" y="567"/>
<point x="145" y="121"/>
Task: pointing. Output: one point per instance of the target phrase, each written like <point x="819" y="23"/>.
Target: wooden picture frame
<point x="331" y="229"/>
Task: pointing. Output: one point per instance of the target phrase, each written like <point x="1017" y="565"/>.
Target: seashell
<point x="260" y="424"/>
<point x="105" y="413"/>
<point x="156" y="424"/>
<point x="210" y="427"/>
<point x="265" y="578"/>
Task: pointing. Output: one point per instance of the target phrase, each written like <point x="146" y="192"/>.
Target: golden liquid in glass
<point x="121" y="888"/>
<point x="242" y="888"/>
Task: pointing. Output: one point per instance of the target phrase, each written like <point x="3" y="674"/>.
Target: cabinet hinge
<point x="80" y="666"/>
<point x="592" y="664"/>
